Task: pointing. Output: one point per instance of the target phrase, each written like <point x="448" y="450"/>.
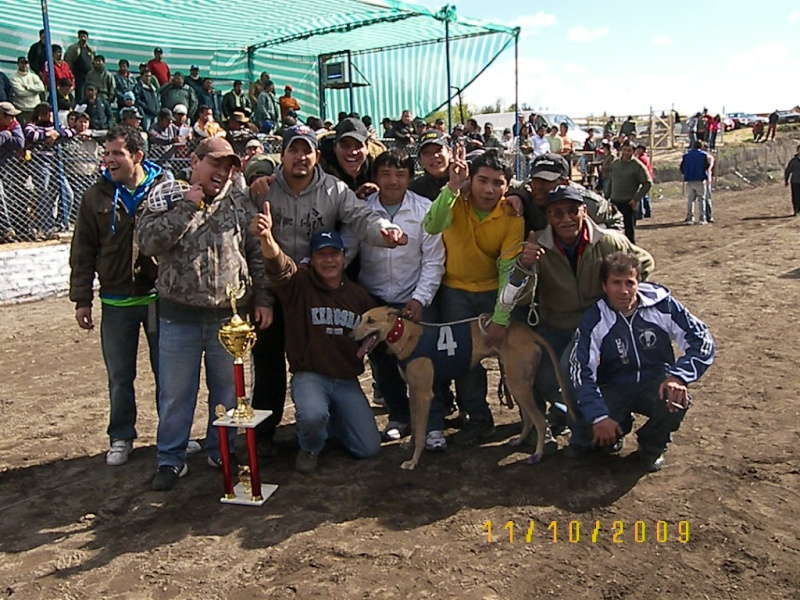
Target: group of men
<point x="459" y="241"/>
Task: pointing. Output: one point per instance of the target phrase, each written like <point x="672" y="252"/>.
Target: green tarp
<point x="397" y="48"/>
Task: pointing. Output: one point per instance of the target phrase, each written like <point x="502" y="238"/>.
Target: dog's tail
<point x="559" y="378"/>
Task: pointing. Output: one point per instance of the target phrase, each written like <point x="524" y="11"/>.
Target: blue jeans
<point x="335" y="408"/>
<point x="622" y="401"/>
<point x="181" y="348"/>
<point x="119" y="339"/>
<point x="471" y="387"/>
<point x="391" y="384"/>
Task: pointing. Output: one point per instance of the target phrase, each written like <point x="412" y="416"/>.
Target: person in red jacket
<point x="158" y="67"/>
<point x="60" y="67"/>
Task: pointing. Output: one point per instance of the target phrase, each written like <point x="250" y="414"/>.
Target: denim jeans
<point x="391" y="384"/>
<point x="181" y="347"/>
<point x="471" y="388"/>
<point x="622" y="401"/>
<point x="119" y="339"/>
<point x="335" y="408"/>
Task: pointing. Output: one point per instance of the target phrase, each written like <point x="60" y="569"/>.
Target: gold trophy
<point x="238" y="337"/>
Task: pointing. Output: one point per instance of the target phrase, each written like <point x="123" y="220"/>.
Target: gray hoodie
<point x="326" y="204"/>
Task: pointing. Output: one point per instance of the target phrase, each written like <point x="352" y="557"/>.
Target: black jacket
<point x="793" y="171"/>
<point x="429" y="186"/>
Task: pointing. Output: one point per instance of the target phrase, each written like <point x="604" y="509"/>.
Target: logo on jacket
<point x="648" y="338"/>
<point x="622" y="349"/>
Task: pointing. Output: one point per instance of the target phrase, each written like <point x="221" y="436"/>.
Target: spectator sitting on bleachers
<point x="101" y="79"/>
<point x="61" y="69"/>
<point x="98" y="109"/>
<point x="127" y="100"/>
<point x="164" y="132"/>
<point x="148" y="99"/>
<point x="206" y="126"/>
<point x="235" y="100"/>
<point x="123" y="81"/>
<point x="158" y="67"/>
<point x="177" y="92"/>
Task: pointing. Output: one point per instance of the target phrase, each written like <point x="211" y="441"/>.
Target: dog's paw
<point x="534" y="459"/>
<point x="515" y="441"/>
<point x="408" y="465"/>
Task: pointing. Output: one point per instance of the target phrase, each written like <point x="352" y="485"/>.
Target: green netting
<point x="397" y="48"/>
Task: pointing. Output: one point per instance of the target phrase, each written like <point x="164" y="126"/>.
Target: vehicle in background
<point x="575" y="133"/>
<point x="788" y="116"/>
<point x="741" y="120"/>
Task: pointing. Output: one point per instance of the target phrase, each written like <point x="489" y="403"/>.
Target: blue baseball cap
<point x="300" y="132"/>
<point x="326" y="239"/>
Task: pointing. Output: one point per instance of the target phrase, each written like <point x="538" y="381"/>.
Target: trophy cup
<point x="238" y="337"/>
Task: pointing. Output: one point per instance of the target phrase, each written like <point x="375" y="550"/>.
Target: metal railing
<point x="41" y="189"/>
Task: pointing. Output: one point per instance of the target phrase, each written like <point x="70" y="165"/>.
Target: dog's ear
<point x="393" y="313"/>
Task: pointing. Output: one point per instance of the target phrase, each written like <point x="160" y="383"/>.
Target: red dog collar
<point x="396" y="332"/>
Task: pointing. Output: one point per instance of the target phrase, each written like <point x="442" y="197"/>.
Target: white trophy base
<point x="228" y="421"/>
<point x="242" y="498"/>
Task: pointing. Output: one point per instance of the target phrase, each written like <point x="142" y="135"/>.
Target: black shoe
<point x="473" y="432"/>
<point x="457" y="422"/>
<point x="652" y="462"/>
<point x="575" y="451"/>
<point x="167" y="476"/>
<point x="266" y="448"/>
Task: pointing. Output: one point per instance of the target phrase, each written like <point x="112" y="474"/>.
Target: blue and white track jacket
<point x="611" y="349"/>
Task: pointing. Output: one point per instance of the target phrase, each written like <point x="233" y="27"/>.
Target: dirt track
<point x="71" y="527"/>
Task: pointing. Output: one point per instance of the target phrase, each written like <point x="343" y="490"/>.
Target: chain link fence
<point x="41" y="190"/>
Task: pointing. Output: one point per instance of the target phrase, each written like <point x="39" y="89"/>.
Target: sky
<point x="622" y="57"/>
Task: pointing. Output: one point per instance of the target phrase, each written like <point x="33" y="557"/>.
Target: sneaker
<point x="216" y="463"/>
<point x="688" y="222"/>
<point x="394" y="431"/>
<point x="306" y="462"/>
<point x="193" y="447"/>
<point x="473" y="432"/>
<point x="652" y="462"/>
<point x="118" y="452"/>
<point x="435" y="441"/>
<point x="167" y="476"/>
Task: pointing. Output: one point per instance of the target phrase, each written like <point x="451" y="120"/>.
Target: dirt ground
<point x="71" y="527"/>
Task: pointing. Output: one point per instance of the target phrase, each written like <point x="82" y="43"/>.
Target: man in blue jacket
<point x="694" y="167"/>
<point x="622" y="362"/>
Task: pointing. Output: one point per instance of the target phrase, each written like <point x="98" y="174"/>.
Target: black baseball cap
<point x="433" y="137"/>
<point x="165" y="113"/>
<point x="351" y="127"/>
<point x="130" y="111"/>
<point x="564" y="192"/>
<point x="549" y="166"/>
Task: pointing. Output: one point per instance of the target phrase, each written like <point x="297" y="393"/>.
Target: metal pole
<point x="51" y="71"/>
<point x="447" y="62"/>
<point x="350" y="81"/>
<point x="517" y="159"/>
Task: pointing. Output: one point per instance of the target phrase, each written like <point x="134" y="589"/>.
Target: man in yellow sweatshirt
<point x="482" y="238"/>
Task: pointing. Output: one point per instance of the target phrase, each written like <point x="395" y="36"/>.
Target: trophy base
<point x="242" y="498"/>
<point x="229" y="421"/>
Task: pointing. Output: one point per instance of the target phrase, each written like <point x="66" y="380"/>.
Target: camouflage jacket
<point x="200" y="251"/>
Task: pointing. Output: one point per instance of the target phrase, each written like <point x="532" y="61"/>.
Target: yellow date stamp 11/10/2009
<point x="576" y="532"/>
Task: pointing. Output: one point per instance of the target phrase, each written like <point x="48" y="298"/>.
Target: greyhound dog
<point x="420" y="357"/>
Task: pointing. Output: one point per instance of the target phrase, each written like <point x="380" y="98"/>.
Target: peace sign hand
<point x="459" y="170"/>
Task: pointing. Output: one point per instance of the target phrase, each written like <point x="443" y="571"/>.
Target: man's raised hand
<point x="531" y="251"/>
<point x="459" y="169"/>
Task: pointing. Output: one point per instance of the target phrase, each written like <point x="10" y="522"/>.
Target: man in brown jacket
<point x="103" y="245"/>
<point x="321" y="307"/>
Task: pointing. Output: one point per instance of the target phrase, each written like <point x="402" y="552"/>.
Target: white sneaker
<point x="193" y="447"/>
<point x="118" y="452"/>
<point x="435" y="441"/>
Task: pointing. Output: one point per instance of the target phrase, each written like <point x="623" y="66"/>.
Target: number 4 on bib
<point x="446" y="342"/>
